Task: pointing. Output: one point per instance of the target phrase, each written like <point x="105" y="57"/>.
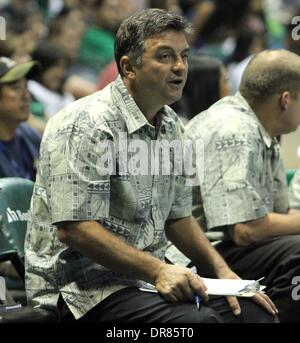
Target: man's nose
<point x="179" y="65"/>
<point x="26" y="94"/>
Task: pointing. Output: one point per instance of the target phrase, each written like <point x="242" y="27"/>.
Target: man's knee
<point x="253" y="313"/>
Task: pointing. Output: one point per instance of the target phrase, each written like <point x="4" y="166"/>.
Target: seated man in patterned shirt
<point x="243" y="190"/>
<point x="98" y="222"/>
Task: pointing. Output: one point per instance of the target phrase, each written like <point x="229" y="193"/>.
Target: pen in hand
<point x="196" y="295"/>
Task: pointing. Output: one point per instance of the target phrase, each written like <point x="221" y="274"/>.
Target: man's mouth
<point x="176" y="82"/>
<point x="25" y="107"/>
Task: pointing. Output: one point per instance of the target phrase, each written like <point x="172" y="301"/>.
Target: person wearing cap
<point x="19" y="143"/>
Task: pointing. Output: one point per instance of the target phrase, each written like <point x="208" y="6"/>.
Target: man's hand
<point x="265" y="302"/>
<point x="226" y="273"/>
<point x="260" y="298"/>
<point x="177" y="283"/>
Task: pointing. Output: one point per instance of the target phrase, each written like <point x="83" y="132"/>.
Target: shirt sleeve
<point x="230" y="188"/>
<point x="280" y="190"/>
<point x="182" y="204"/>
<point x="78" y="187"/>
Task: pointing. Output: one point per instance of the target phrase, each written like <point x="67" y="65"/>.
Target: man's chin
<point x="174" y="99"/>
<point x="24" y="117"/>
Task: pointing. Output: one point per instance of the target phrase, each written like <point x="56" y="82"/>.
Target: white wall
<point x="289" y="145"/>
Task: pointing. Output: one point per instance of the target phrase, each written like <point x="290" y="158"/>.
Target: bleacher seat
<point x="15" y="197"/>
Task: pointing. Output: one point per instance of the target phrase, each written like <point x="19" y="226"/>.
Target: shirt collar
<point x="133" y="116"/>
<point x="246" y="108"/>
<point x="131" y="113"/>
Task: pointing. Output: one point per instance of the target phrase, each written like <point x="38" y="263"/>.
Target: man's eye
<point x="165" y="57"/>
<point x="16" y="87"/>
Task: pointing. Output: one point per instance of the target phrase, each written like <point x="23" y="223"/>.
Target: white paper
<point x="245" y="288"/>
<point x="237" y="287"/>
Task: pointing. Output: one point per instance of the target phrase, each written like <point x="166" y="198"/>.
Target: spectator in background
<point x="107" y="75"/>
<point x="168" y="5"/>
<point x="248" y="43"/>
<point x="47" y="87"/>
<point x="244" y="191"/>
<point x="24" y="25"/>
<point x="20" y="15"/>
<point x="97" y="44"/>
<point x="8" y="48"/>
<point x="206" y="83"/>
<point x="19" y="144"/>
<point x="215" y="19"/>
<point x="66" y="31"/>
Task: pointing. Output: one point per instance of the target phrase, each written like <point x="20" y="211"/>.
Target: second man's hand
<point x="261" y="299"/>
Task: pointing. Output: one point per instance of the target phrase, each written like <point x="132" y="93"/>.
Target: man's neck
<point x="266" y="115"/>
<point x="148" y="108"/>
<point x="148" y="111"/>
<point x="7" y="131"/>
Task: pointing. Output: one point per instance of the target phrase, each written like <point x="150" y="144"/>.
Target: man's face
<point x="163" y="71"/>
<point x="53" y="76"/>
<point x="14" y="101"/>
<point x="111" y="14"/>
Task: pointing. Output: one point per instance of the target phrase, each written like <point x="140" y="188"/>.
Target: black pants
<point x="130" y="305"/>
<point x="278" y="259"/>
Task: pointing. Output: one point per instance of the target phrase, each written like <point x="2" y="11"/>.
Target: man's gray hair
<point x="132" y="33"/>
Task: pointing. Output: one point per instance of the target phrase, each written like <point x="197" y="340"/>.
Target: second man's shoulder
<point x="219" y="122"/>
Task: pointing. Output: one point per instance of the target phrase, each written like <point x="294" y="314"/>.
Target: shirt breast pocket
<point x="123" y="201"/>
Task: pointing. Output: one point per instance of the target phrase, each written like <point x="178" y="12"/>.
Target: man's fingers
<point x="269" y="301"/>
<point x="169" y="297"/>
<point x="175" y="293"/>
<point x="234" y="305"/>
<point x="198" y="287"/>
<point x="177" y="283"/>
<point x="265" y="302"/>
<point x="188" y="292"/>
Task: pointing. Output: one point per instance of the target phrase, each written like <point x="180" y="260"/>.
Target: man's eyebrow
<point x="167" y="47"/>
<point x="186" y="50"/>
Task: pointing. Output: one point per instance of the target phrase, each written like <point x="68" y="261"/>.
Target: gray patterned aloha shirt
<point x="71" y="186"/>
<point x="244" y="177"/>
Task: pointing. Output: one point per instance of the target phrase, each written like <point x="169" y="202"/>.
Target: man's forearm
<point x="273" y="224"/>
<point x="188" y="237"/>
<point x="92" y="240"/>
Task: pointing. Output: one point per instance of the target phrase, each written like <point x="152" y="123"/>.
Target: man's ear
<point x="285" y="100"/>
<point x="127" y="68"/>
